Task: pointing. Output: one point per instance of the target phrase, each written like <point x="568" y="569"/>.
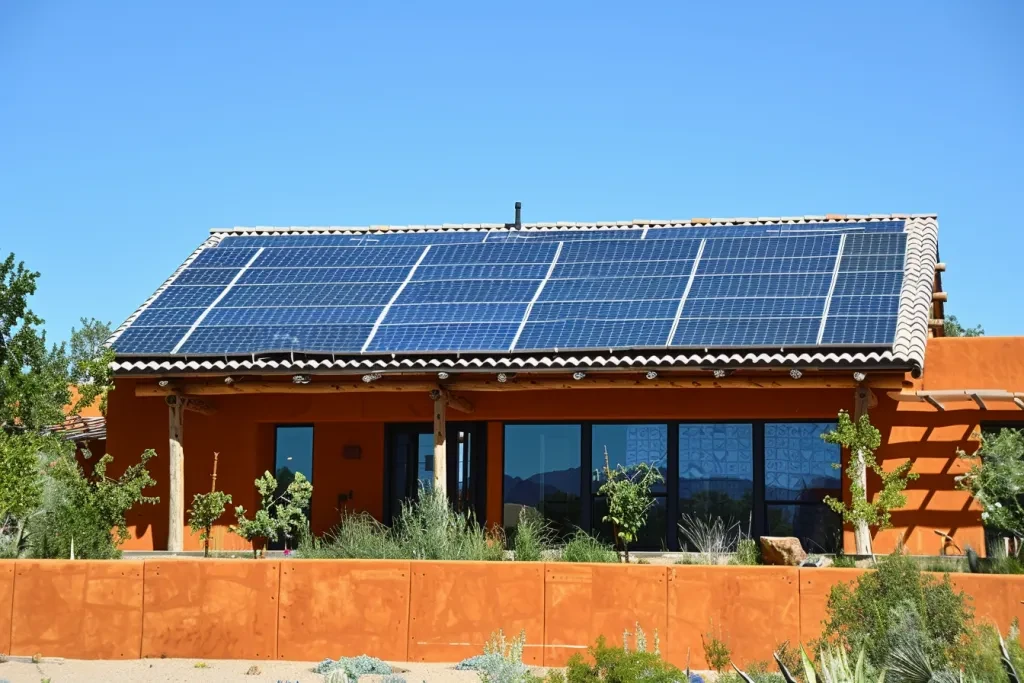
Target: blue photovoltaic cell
<point x="137" y="340"/>
<point x="321" y="338"/>
<point x="338" y="256"/>
<point x="445" y="337"/>
<point x="308" y="295"/>
<point x="456" y="313"/>
<point x="766" y="266"/>
<point x="206" y="276"/>
<point x="865" y="284"/>
<point x="603" y="310"/>
<point x="184" y="296"/>
<point x="795" y="307"/>
<point x="168" y="317"/>
<point x="756" y="285"/>
<point x="591" y="334"/>
<point x="622" y="269"/>
<point x="493" y="271"/>
<point x="352" y="275"/>
<point x="614" y="289"/>
<point x="468" y="291"/>
<point x="293" y="315"/>
<point x="859" y="330"/>
<point x="746" y="332"/>
<point x="865" y="305"/>
<point x="719" y="286"/>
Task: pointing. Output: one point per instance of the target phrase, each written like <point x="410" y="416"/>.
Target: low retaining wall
<point x="417" y="611"/>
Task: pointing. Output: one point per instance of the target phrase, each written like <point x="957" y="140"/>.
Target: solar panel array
<point x="506" y="290"/>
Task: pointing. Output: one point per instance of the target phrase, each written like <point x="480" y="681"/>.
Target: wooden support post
<point x="861" y="531"/>
<point x="440" y="445"/>
<point x="176" y="489"/>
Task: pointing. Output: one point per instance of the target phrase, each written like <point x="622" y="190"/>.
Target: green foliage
<point x="582" y="547"/>
<point x="426" y="528"/>
<point x="21" y="480"/>
<point x="996" y="480"/>
<point x="953" y="328"/>
<point x="620" y="665"/>
<point x="861" y="615"/>
<point x="206" y="509"/>
<point x="280" y="514"/>
<point x="717" y="652"/>
<point x="748" y="552"/>
<point x="349" y="669"/>
<point x="88" y="512"/>
<point x="90" y="360"/>
<point x="843" y="561"/>
<point x="629" y="499"/>
<point x="532" y="537"/>
<point x="860" y="437"/>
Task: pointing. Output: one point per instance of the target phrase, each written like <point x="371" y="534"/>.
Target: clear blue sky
<point x="127" y="130"/>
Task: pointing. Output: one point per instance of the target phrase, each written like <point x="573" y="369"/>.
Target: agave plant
<point x="835" y="668"/>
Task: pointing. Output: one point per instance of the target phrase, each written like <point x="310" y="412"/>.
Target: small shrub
<point x="199" y="665"/>
<point x="357" y="536"/>
<point x="748" y="552"/>
<point x="532" y="537"/>
<point x="619" y="665"/>
<point x="712" y="537"/>
<point x="429" y="529"/>
<point x="716" y="651"/>
<point x="206" y="509"/>
<point x="582" y="547"/>
<point x="346" y="669"/>
<point x="280" y="514"/>
<point x="629" y="500"/>
<point x="843" y="561"/>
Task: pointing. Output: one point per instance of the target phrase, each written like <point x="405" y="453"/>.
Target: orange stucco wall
<point x="421" y="611"/>
<point x="242" y="431"/>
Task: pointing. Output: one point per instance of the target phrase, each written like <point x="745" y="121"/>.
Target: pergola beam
<point x="981" y="398"/>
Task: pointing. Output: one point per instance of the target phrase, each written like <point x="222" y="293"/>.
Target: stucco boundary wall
<point x="418" y="610"/>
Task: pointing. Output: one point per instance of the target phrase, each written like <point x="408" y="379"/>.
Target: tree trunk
<point x="440" y="446"/>
<point x="176" y="488"/>
<point x="861" y="531"/>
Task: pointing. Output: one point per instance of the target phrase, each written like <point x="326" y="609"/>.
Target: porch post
<point x="861" y="532"/>
<point x="176" y="488"/>
<point x="440" y="445"/>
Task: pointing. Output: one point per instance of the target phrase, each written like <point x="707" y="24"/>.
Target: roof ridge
<point x="837" y="219"/>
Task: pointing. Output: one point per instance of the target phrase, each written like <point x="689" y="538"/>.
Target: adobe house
<point x="500" y="362"/>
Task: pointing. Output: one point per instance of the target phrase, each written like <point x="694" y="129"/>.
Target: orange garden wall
<point x="241" y="430"/>
<point x="417" y="611"/>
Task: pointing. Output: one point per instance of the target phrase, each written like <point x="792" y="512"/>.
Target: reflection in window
<point x="799" y="471"/>
<point x="542" y="471"/>
<point x="629" y="445"/>
<point x="716" y="472"/>
<point x="293" y="452"/>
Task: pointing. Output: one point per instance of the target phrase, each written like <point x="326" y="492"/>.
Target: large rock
<point x="784" y="550"/>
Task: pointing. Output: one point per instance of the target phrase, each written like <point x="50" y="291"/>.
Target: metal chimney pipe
<point x="519" y="215"/>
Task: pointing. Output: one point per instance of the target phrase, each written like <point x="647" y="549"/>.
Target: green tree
<point x="279" y="513"/>
<point x="90" y="361"/>
<point x="952" y="328"/>
<point x="206" y="509"/>
<point x="861" y="440"/>
<point x="996" y="480"/>
<point x="629" y="500"/>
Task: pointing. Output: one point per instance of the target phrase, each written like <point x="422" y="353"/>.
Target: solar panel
<point x="533" y="289"/>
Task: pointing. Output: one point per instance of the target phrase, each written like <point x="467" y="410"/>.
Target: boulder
<point x="784" y="550"/>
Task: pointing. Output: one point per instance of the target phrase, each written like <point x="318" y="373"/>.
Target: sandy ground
<point x="227" y="671"/>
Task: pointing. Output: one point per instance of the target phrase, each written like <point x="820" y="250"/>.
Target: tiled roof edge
<point x="916" y="294"/>
<point x="209" y="242"/>
<point x="563" y="225"/>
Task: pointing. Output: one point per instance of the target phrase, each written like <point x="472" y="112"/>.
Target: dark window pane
<point x="798" y="464"/>
<point x="650" y="537"/>
<point x="425" y="461"/>
<point x="293" y="452"/>
<point x="542" y="470"/>
<point x="630" y="445"/>
<point x="716" y="471"/>
<point x="819" y="529"/>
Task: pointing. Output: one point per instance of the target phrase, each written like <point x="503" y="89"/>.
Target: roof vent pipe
<point x="519" y="215"/>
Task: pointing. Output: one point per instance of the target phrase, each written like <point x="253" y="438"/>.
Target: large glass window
<point x="629" y="445"/>
<point x="716" y="472"/>
<point x="543" y="471"/>
<point x="799" y="471"/>
<point x="293" y="453"/>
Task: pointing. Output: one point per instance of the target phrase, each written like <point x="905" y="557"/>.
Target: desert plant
<point x="996" y="480"/>
<point x="357" y="536"/>
<point x="533" y="536"/>
<point x="620" y="665"/>
<point x="349" y="669"/>
<point x="861" y="439"/>
<point x="429" y="529"/>
<point x="748" y="552"/>
<point x="629" y="500"/>
<point x="861" y="614"/>
<point x="279" y="514"/>
<point x="711" y="537"/>
<point x="582" y="547"/>
<point x="716" y="650"/>
<point x="206" y="509"/>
